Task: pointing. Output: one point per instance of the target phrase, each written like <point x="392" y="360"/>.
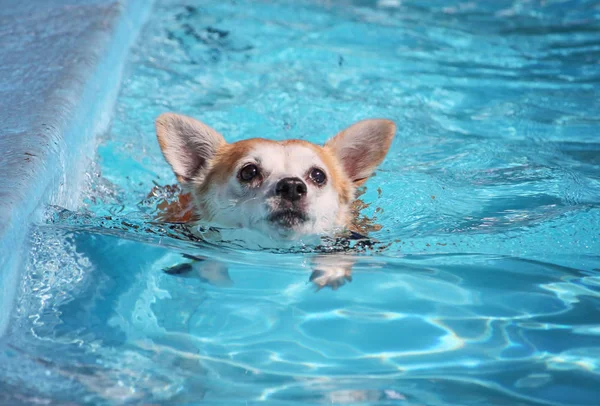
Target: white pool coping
<point x="61" y="65"/>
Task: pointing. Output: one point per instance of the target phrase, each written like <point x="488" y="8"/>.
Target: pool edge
<point x="86" y="92"/>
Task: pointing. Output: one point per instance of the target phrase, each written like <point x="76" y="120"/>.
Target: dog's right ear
<point x="361" y="147"/>
<point x="187" y="144"/>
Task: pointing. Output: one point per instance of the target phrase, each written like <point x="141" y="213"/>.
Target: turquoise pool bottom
<point x="101" y="322"/>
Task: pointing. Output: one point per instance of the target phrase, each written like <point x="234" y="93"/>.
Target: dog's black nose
<point x="291" y="189"/>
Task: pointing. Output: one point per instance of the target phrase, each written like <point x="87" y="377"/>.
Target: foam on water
<point x="482" y="286"/>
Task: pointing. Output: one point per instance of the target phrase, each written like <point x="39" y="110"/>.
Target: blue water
<point x="483" y="287"/>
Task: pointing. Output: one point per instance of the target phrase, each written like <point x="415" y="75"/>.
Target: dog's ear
<point x="187" y="144"/>
<point x="362" y="147"/>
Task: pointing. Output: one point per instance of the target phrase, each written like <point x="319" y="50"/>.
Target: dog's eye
<point x="249" y="172"/>
<point x="317" y="176"/>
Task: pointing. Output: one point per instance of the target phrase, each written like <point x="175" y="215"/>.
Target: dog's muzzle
<point x="288" y="218"/>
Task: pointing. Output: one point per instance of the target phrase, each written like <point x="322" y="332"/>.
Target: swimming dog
<point x="284" y="190"/>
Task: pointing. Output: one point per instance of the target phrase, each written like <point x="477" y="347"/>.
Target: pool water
<point x="483" y="285"/>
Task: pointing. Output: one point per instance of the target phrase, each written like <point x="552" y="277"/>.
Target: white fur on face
<point x="235" y="204"/>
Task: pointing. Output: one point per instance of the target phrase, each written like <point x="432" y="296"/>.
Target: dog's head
<point x="286" y="189"/>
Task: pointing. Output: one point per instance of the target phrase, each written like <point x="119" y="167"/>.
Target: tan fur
<point x="382" y="133"/>
<point x="226" y="159"/>
<point x="188" y="153"/>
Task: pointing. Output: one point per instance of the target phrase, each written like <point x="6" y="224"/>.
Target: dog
<point x="273" y="191"/>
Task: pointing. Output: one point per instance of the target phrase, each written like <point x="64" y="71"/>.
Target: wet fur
<point x="208" y="168"/>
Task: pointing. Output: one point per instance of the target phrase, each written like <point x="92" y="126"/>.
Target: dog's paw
<point x="331" y="271"/>
<point x="332" y="277"/>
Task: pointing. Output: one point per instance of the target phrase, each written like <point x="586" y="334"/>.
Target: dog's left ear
<point x="187" y="144"/>
<point x="362" y="147"/>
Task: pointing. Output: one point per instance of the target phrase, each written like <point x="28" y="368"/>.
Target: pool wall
<point x="61" y="65"/>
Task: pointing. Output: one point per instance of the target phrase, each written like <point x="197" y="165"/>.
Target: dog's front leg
<point x="208" y="270"/>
